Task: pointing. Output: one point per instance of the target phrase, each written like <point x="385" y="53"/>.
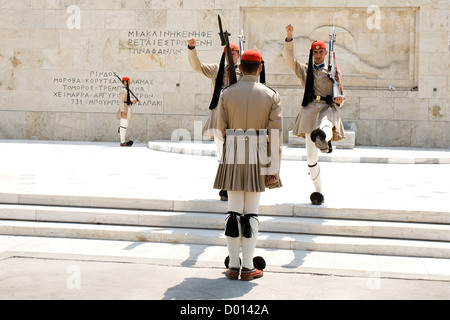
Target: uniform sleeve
<point x="300" y="69"/>
<point x="276" y="132"/>
<point x="122" y="98"/>
<point x="221" y="119"/>
<point x="208" y="70"/>
<point x="342" y="83"/>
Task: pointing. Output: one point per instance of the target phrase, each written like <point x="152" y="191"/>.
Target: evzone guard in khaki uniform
<point x="248" y="111"/>
<point x="125" y="112"/>
<point x="218" y="74"/>
<point x="318" y="120"/>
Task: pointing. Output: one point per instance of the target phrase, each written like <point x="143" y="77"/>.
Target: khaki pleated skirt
<point x="310" y="117"/>
<point x="241" y="164"/>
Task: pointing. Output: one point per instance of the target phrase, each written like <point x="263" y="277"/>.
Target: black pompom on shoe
<point x="319" y="139"/>
<point x="259" y="263"/>
<point x="316" y="198"/>
<point x="318" y="133"/>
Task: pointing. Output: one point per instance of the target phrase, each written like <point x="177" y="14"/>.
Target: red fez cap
<point x="125" y="79"/>
<point x="318" y="44"/>
<point x="234" y="47"/>
<point x="251" y="55"/>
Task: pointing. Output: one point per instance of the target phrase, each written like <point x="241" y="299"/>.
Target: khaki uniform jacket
<point x="247" y="105"/>
<point x="123" y="105"/>
<point x="310" y="117"/>
<point x="210" y="71"/>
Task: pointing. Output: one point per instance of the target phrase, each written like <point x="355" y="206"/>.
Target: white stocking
<point x="243" y="203"/>
<point x="314" y="173"/>
<point x="312" y="157"/>
<point x="327" y="127"/>
<point x="123" y="130"/>
<point x="235" y="204"/>
<point x="234" y="248"/>
<point x="249" y="244"/>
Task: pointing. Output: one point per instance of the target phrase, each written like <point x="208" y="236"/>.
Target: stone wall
<point x="57" y="59"/>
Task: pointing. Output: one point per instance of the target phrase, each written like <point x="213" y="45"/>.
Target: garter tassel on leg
<point x="232" y="227"/>
<point x="246" y="226"/>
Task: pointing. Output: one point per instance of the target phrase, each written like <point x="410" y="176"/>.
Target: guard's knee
<point x="232" y="225"/>
<point x="247" y="229"/>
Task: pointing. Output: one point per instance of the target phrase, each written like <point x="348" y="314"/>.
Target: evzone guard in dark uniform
<point x="318" y="120"/>
<point x="247" y="112"/>
<point x="218" y="73"/>
<point x="125" y="112"/>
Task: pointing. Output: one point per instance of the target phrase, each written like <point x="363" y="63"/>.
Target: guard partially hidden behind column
<point x="249" y="117"/>
<point x="318" y="120"/>
<point x="125" y="112"/>
<point x="218" y="73"/>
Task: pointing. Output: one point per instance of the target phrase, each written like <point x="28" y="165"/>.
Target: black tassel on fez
<point x="309" y="87"/>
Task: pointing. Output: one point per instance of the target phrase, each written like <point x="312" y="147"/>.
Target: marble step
<point x="197" y="220"/>
<point x="215" y="206"/>
<point x="360" y="245"/>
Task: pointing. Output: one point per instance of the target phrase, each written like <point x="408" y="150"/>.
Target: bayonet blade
<point x="221" y="34"/>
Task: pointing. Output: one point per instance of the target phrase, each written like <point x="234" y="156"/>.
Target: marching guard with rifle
<point x="221" y="76"/>
<point x="318" y="120"/>
<point x="125" y="112"/>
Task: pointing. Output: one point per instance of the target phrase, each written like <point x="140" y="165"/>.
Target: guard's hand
<point x="289" y="32"/>
<point x="272" y="179"/>
<point x="339" y="99"/>
<point x="192" y="43"/>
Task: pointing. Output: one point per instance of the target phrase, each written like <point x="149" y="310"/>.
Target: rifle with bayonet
<point x="226" y="42"/>
<point x="262" y="77"/>
<point x="241" y="43"/>
<point x="333" y="70"/>
<point x="120" y="79"/>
